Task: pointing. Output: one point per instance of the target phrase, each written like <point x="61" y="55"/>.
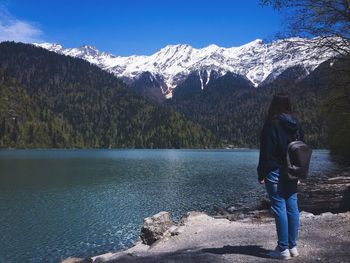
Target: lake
<point x="60" y="203"/>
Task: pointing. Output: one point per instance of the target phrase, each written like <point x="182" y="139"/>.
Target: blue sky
<point x="126" y="27"/>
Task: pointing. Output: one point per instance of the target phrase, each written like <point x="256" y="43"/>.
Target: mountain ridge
<point x="258" y="61"/>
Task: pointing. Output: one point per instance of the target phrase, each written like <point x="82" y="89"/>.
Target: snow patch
<point x="255" y="60"/>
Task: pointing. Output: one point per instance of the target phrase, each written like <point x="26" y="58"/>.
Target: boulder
<point x="155" y="227"/>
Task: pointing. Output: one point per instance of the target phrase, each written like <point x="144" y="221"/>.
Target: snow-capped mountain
<point x="257" y="61"/>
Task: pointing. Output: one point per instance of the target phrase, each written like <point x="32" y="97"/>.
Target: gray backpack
<point x="298" y="160"/>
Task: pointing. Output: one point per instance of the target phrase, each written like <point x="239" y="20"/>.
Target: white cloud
<point x="17" y="30"/>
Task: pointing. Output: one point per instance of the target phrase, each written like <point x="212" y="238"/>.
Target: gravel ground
<point x="202" y="239"/>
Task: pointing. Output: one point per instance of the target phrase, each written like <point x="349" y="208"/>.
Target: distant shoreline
<point x="221" y="148"/>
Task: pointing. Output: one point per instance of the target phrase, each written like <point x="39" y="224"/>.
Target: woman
<point x="279" y="129"/>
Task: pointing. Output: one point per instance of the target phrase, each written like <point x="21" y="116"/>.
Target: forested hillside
<point x="338" y="107"/>
<point x="51" y="100"/>
<point x="235" y="111"/>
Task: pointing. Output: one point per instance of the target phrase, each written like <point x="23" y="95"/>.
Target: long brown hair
<point x="280" y="104"/>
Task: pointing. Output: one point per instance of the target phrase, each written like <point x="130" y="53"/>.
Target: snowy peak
<point x="251" y="45"/>
<point x="51" y="46"/>
<point x="89" y="53"/>
<point x="171" y="49"/>
<point x="257" y="61"/>
<point x="87" y="50"/>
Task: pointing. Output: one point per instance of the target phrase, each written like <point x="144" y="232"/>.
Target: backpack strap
<point x="297" y="135"/>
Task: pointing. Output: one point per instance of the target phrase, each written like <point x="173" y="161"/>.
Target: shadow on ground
<point x="255" y="251"/>
<point x="206" y="255"/>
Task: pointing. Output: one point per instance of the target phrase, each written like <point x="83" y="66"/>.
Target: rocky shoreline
<point x="317" y="195"/>
<point x="245" y="235"/>
<point x="329" y="193"/>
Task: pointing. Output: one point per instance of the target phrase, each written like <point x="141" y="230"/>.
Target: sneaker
<point x="285" y="254"/>
<point x="294" y="252"/>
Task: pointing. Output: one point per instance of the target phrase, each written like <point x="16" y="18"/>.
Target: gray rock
<point x="155" y="227"/>
<point x="327" y="214"/>
<point x="186" y="218"/>
<point x="77" y="260"/>
<point x="232" y="209"/>
<point x="304" y="214"/>
<point x="174" y="230"/>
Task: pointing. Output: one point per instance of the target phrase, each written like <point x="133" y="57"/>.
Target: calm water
<point x="60" y="203"/>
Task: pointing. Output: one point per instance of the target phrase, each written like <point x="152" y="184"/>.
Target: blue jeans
<point x="285" y="210"/>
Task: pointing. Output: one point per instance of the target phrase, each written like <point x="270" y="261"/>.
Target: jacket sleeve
<point x="268" y="142"/>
